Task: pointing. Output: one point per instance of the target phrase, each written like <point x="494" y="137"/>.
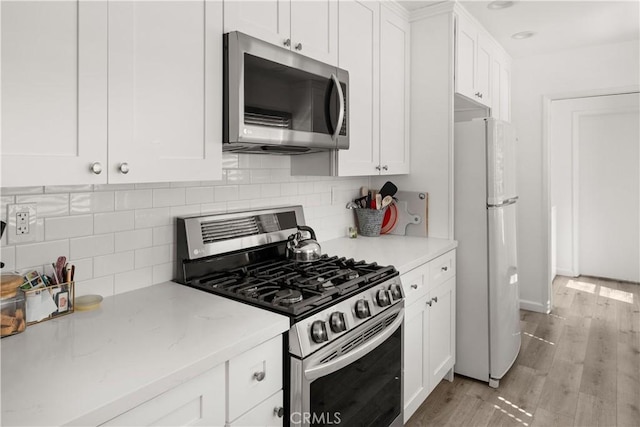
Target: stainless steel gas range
<point x="343" y="363"/>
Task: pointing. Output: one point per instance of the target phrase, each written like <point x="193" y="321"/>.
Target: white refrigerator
<point x="485" y="203"/>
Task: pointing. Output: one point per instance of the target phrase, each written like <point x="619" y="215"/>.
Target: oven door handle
<point x="339" y="363"/>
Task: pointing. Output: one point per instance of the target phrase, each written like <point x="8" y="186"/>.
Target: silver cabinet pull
<point x="434" y="299"/>
<point x="385" y="167"/>
<point x="299" y="46"/>
<point x="378" y="168"/>
<point x="278" y="411"/>
<point x="414" y="286"/>
<point x="124" y="168"/>
<point x="341" y="106"/>
<point x="429" y="303"/>
<point x="259" y="376"/>
<point x="96" y="168"/>
<point x="445" y="268"/>
<point x="287" y="42"/>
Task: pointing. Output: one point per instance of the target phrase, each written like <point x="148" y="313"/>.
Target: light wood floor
<point x="578" y="366"/>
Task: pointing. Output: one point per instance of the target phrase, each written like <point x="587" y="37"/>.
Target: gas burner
<point x="348" y="274"/>
<point x="287" y="297"/>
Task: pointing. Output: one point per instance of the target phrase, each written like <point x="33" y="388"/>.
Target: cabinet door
<point x="359" y="32"/>
<point x="266" y="413"/>
<point x="196" y="402"/>
<point x="314" y="29"/>
<point x="394" y="93"/>
<point x="505" y="91"/>
<point x="482" y="92"/>
<point x="441" y="331"/>
<point x="466" y="38"/>
<point x="415" y="356"/>
<point x="496" y="71"/>
<point x="165" y="86"/>
<point x="54" y="92"/>
<point x="268" y="20"/>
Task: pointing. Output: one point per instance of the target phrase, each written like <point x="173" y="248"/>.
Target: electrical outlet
<point x="22" y="223"/>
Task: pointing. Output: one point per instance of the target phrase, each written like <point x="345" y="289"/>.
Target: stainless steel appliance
<point x="488" y="306"/>
<point x="344" y="347"/>
<point x="277" y="101"/>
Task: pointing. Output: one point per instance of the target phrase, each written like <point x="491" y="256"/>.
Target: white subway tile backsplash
<point x="154" y="217"/>
<point x="68" y="188"/>
<point x="238" y="176"/>
<point x="4" y="201"/>
<point x="83" y="270"/>
<point x="249" y="161"/>
<point x="187" y="210"/>
<point x="249" y="192"/>
<point x="48" y="204"/>
<point x="134" y="239"/>
<point x="289" y="189"/>
<point x="68" y="226"/>
<point x="225" y="193"/>
<point x="260" y="176"/>
<point x="133" y="199"/>
<point x="88" y="247"/>
<point x="163" y="272"/>
<point x="8" y="256"/>
<point x="99" y="286"/>
<point x="230" y="161"/>
<point x="152" y="185"/>
<point x="113" y="187"/>
<point x="168" y="197"/>
<point x="14" y="191"/>
<point x="207" y="208"/>
<point x="94" y="202"/>
<point x="164" y="235"/>
<point x="152" y="256"/>
<point x="132" y="280"/>
<point x="110" y="222"/>
<point x="119" y="262"/>
<point x="195" y="195"/>
<point x="305" y="188"/>
<point x="40" y="253"/>
<point x="270" y="190"/>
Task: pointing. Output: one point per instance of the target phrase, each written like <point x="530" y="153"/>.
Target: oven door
<point x="356" y="380"/>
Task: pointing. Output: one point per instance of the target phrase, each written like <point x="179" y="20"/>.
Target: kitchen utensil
<point x="364" y="190"/>
<point x="378" y="201"/>
<point x="413" y="210"/>
<point x="386" y="201"/>
<point x="303" y="250"/>
<point x="352" y="205"/>
<point x="388" y="189"/>
<point x="390" y="218"/>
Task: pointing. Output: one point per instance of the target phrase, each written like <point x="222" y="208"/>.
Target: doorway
<point x="595" y="186"/>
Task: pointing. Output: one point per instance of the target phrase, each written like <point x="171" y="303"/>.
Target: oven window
<point x="365" y="393"/>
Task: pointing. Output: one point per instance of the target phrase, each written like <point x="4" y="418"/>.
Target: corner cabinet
<point x="374" y="46"/>
<point x="251" y="382"/>
<point x="87" y="105"/>
<point x="307" y="27"/>
<point x="473" y="61"/>
<point x="429" y="341"/>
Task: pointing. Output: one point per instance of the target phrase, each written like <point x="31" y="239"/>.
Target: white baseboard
<point x="535" y="306"/>
<point x="563" y="272"/>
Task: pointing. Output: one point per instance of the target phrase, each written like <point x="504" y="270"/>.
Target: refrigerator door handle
<point x="507" y="202"/>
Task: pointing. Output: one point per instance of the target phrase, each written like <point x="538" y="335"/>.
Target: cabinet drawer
<point x="265" y="414"/>
<point x="414" y="284"/>
<point x="442" y="268"/>
<point x="253" y="376"/>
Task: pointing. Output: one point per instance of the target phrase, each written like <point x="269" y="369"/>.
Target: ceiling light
<point x="495" y="5"/>
<point x="523" y="35"/>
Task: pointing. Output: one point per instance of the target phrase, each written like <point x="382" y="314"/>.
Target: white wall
<point x="574" y="72"/>
<point x="121" y="237"/>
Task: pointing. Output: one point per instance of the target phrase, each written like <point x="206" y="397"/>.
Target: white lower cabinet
<point x="196" y="402"/>
<point x="429" y="329"/>
<point x="268" y="413"/>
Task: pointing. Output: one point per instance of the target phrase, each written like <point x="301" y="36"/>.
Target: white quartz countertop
<point x="403" y="252"/>
<point x="86" y="367"/>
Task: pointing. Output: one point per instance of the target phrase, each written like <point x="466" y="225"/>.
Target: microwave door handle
<point x="334" y="365"/>
<point x="341" y="113"/>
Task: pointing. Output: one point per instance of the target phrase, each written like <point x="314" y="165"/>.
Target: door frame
<point x="546" y="181"/>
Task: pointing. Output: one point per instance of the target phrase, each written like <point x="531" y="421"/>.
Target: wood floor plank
<point x="572" y="344"/>
<point x="561" y="388"/>
<point x="544" y="418"/>
<point x="595" y="412"/>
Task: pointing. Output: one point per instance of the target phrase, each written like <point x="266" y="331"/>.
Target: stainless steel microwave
<point x="280" y="102"/>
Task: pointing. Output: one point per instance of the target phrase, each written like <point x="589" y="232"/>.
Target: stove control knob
<point x="336" y="321"/>
<point x="362" y="309"/>
<point x="319" y="332"/>
<point x="383" y="298"/>
<point x="396" y="291"/>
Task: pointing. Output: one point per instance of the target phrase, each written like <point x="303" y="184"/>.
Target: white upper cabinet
<point x="97" y="93"/>
<point x="501" y="85"/>
<point x="54" y="92"/>
<point x="395" y="67"/>
<point x="359" y="33"/>
<point x="307" y="27"/>
<point x="472" y="61"/>
<point x="165" y="87"/>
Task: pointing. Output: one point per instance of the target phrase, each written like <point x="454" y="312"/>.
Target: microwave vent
<point x="267" y="118"/>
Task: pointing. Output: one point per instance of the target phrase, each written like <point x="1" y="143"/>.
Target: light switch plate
<point x="22" y="223"/>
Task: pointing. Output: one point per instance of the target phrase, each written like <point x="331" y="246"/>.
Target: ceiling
<point x="558" y="25"/>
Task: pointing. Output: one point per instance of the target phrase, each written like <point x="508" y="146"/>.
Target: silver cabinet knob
<point x="429" y="303"/>
<point x="124" y="168"/>
<point x="278" y="411"/>
<point x="385" y="167"/>
<point x="287" y="42"/>
<point x="445" y="268"/>
<point x="378" y="168"/>
<point x="299" y="46"/>
<point x="96" y="168"/>
<point x="414" y="286"/>
<point x="259" y="376"/>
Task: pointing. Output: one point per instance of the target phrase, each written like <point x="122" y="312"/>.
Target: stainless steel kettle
<point x="303" y="250"/>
